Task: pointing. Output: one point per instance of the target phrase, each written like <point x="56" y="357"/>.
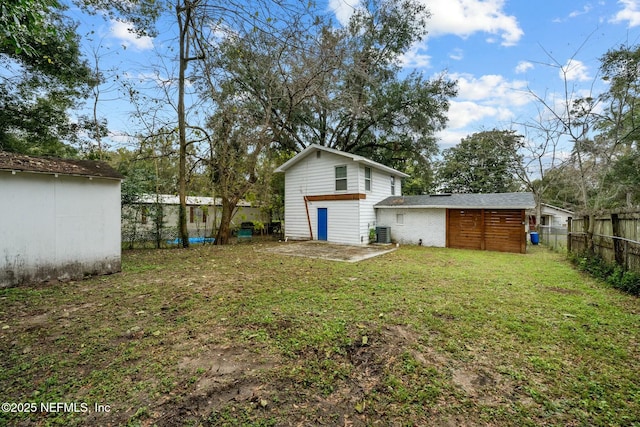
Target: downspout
<point x="306" y="206"/>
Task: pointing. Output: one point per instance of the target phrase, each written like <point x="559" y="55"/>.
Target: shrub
<point x="614" y="275"/>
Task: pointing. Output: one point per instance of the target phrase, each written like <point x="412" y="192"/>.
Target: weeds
<point x="234" y="336"/>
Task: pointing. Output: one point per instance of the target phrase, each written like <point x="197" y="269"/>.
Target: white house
<point x="203" y="214"/>
<point x="330" y="195"/>
<point x="554" y="216"/>
<point x="495" y="222"/>
<point x="59" y="219"/>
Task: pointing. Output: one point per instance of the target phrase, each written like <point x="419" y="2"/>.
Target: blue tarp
<point x="192" y="240"/>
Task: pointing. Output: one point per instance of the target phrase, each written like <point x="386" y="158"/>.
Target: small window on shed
<point x="400" y="219"/>
<point x="341" y="178"/>
<point x="367" y="179"/>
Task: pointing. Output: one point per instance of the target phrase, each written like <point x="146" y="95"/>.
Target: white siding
<point x="426" y="224"/>
<point x="348" y="221"/>
<point x="313" y="176"/>
<point x="342" y="220"/>
<point x="62" y="227"/>
<point x="380" y="190"/>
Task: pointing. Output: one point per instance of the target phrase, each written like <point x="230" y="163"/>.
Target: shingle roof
<point x="24" y="163"/>
<point x="462" y="201"/>
<point x="356" y="158"/>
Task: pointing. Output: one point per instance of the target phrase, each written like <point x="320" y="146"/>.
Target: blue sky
<point x="497" y="50"/>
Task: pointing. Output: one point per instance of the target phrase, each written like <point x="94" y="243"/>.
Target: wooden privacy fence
<point x="616" y="238"/>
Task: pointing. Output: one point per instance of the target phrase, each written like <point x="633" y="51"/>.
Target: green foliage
<point x="485" y="162"/>
<point x="616" y="276"/>
<point x="47" y="76"/>
<point x="343" y="87"/>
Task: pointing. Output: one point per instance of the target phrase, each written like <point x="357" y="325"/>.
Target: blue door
<point x="322" y="223"/>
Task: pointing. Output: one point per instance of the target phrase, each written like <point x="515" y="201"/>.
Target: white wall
<point x="349" y="221"/>
<point x="314" y="176"/>
<point x="342" y="221"/>
<point x="197" y="227"/>
<point x="430" y="225"/>
<point x="555" y="217"/>
<point x="57" y="228"/>
<point x="380" y="190"/>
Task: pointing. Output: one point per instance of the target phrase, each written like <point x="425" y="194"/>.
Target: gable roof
<point x="356" y="158"/>
<point x="461" y="201"/>
<point x="89" y="168"/>
<point x="551" y="207"/>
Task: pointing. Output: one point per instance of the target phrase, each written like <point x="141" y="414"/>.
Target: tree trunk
<point x="224" y="231"/>
<point x="182" y="167"/>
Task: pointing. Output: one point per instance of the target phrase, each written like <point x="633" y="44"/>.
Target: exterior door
<point x="322" y="224"/>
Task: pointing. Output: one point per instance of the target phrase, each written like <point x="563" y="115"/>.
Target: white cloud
<point x="492" y="89"/>
<point x="122" y="31"/>
<point x="458" y="17"/>
<point x="457" y="55"/>
<point x="466" y="17"/>
<point x="414" y="58"/>
<point x="482" y="103"/>
<point x="450" y="138"/>
<point x="343" y="9"/>
<point x="464" y="113"/>
<point x="630" y="12"/>
<point x="586" y="9"/>
<point x="523" y="67"/>
<point x="574" y="70"/>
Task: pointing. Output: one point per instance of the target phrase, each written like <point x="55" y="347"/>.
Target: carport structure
<point x="494" y="222"/>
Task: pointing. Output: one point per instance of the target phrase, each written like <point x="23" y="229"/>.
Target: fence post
<point x="569" y="236"/>
<point x="618" y="247"/>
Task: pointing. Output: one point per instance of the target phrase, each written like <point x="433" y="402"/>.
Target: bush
<point x="616" y="276"/>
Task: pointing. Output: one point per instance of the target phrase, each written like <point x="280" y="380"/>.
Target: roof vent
<point x="440" y="195"/>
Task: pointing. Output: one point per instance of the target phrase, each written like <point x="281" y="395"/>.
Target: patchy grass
<point x="235" y="336"/>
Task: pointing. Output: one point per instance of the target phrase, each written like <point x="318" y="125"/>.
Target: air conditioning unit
<point x="383" y="234"/>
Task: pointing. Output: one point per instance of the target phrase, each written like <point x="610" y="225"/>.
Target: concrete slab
<point x="330" y="251"/>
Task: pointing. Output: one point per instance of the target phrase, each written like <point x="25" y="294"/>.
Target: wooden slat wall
<point x="504" y="230"/>
<point x="464" y="229"/>
<point x="486" y="229"/>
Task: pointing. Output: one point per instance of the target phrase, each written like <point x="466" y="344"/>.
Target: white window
<point x="341" y="178"/>
<point x="367" y="179"/>
<point x="393" y="185"/>
<point x="400" y="219"/>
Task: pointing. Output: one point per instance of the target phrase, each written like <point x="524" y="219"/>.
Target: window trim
<point x="341" y="179"/>
<point x="367" y="181"/>
<point x="393" y="185"/>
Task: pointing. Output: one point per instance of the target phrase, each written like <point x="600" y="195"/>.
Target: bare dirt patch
<point x="330" y="251"/>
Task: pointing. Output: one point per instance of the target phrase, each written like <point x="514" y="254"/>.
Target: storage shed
<point x="59" y="219"/>
<point x="494" y="222"/>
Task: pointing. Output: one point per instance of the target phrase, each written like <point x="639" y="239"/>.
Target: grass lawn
<point x="235" y="336"/>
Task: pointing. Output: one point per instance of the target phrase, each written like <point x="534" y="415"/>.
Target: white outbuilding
<point x="59" y="219"/>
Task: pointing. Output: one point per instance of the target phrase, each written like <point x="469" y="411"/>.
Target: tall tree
<point x="485" y="162"/>
<point x="620" y="122"/>
<point x="47" y="76"/>
<point x="342" y="87"/>
<point x="198" y="21"/>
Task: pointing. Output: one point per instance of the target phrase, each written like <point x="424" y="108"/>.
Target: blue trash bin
<point x="535" y="238"/>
